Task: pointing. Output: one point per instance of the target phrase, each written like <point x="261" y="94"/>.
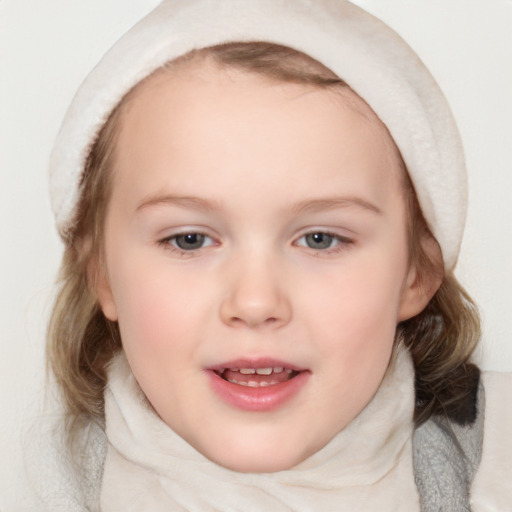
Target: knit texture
<point x="446" y="457"/>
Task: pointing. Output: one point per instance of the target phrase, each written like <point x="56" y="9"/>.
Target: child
<point x="262" y="204"/>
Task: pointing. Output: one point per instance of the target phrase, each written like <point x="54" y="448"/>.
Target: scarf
<point x="367" y="466"/>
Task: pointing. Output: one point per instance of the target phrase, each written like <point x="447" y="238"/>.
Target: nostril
<point x="245" y="307"/>
<point x="253" y="321"/>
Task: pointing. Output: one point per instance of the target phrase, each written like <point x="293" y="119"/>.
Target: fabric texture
<point x="446" y="458"/>
<point x="149" y="467"/>
<point x="492" y="488"/>
<point x="442" y="453"/>
<point x="57" y="483"/>
<point x="359" y="48"/>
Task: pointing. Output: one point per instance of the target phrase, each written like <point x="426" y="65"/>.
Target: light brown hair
<point x="82" y="341"/>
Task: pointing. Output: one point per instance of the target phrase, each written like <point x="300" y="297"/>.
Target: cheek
<point x="363" y="297"/>
<point x="362" y="329"/>
<point x="144" y="313"/>
<point x="354" y="317"/>
<point x="146" y="309"/>
<point x="158" y="306"/>
<point x="159" y="331"/>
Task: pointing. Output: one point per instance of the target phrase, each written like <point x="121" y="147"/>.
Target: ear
<point x="100" y="284"/>
<point x="420" y="287"/>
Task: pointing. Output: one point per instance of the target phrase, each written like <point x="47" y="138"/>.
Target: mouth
<point x="257" y="386"/>
<point x="257" y="377"/>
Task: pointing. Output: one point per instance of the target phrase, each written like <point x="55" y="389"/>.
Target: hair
<point x="82" y="341"/>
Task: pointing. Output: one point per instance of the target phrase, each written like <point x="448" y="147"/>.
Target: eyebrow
<point x="331" y="203"/>
<point x="306" y="206"/>
<point x="194" y="203"/>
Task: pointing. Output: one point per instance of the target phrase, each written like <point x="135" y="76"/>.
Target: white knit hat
<point x="368" y="55"/>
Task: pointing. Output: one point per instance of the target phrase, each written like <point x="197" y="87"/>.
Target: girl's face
<point x="256" y="260"/>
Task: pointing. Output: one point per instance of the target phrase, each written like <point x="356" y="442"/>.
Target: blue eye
<point x="320" y="240"/>
<point x="189" y="241"/>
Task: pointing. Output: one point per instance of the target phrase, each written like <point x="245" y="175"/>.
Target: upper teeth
<point x="261" y="371"/>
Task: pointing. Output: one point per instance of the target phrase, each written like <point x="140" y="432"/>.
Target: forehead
<point x="203" y="69"/>
<point x="193" y="105"/>
<point x="210" y="68"/>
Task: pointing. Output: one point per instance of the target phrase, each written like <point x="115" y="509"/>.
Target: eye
<point x="189" y="241"/>
<point x="320" y="240"/>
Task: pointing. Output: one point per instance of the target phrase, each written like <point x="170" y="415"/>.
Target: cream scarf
<point x="366" y="467"/>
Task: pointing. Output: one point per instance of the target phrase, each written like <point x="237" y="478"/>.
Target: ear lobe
<point x="420" y="287"/>
<point x="414" y="297"/>
<point x="100" y="284"/>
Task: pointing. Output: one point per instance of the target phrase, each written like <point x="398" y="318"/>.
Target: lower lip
<point x="257" y="399"/>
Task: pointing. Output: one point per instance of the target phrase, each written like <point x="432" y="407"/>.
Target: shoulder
<point x="446" y="456"/>
<point x="492" y="487"/>
<point x="468" y="467"/>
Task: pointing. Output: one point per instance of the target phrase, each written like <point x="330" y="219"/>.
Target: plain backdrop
<point x="46" y="49"/>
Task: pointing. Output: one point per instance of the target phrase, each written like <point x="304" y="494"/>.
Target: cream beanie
<point x="367" y="54"/>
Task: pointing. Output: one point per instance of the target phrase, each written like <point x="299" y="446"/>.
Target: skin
<point x="255" y="165"/>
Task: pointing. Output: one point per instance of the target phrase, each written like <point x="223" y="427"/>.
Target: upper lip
<point x="260" y="362"/>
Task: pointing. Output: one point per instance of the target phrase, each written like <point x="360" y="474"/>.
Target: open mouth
<point x="257" y="386"/>
<point x="257" y="377"/>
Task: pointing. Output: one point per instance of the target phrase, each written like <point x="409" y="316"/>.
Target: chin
<point x="258" y="458"/>
<point x="256" y="465"/>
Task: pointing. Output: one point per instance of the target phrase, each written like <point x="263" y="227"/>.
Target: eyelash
<point x="168" y="244"/>
<point x="342" y="243"/>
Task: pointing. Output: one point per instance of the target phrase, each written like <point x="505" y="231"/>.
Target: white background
<point x="46" y="49"/>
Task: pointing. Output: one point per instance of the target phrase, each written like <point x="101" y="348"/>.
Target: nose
<point x="256" y="297"/>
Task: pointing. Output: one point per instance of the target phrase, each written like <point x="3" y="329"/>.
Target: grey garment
<point x="446" y="457"/>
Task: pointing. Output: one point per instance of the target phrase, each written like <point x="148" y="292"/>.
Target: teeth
<point x="261" y="371"/>
<point x="253" y="384"/>
<point x="264" y="371"/>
